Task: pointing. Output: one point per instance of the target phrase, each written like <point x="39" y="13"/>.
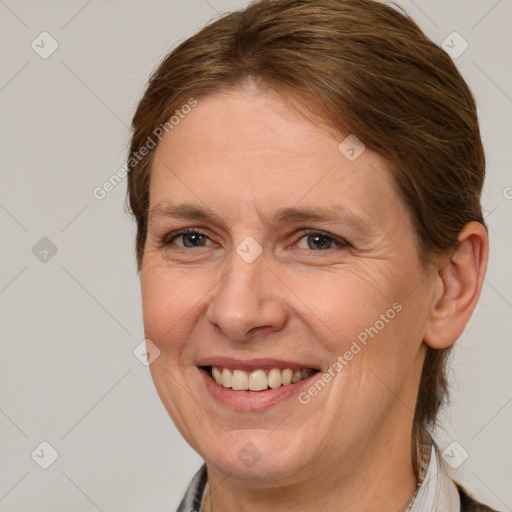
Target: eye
<point x="320" y="241"/>
<point x="313" y="240"/>
<point x="188" y="239"/>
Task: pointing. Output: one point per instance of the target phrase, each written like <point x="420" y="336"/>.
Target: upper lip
<point x="252" y="364"/>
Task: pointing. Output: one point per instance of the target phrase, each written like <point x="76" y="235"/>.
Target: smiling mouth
<point x="258" y="379"/>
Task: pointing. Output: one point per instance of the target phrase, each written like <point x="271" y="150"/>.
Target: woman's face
<point x="273" y="253"/>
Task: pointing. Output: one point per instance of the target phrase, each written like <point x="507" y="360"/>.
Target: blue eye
<point x="320" y="241"/>
<point x="189" y="239"/>
<point x="313" y="240"/>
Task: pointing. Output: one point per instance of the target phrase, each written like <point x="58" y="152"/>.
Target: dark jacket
<point x="468" y="504"/>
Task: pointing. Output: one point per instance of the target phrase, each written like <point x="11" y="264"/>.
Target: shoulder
<point x="468" y="504"/>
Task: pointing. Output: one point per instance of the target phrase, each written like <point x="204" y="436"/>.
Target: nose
<point x="246" y="303"/>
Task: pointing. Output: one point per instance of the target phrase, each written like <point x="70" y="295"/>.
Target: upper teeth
<point x="257" y="380"/>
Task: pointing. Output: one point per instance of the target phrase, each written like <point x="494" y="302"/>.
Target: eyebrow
<point x="295" y="215"/>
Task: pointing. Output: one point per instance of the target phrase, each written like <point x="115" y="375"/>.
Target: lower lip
<point x="251" y="400"/>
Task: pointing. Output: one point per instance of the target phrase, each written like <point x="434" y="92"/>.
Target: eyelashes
<point x="312" y="237"/>
<point x="191" y="238"/>
<point x="309" y="240"/>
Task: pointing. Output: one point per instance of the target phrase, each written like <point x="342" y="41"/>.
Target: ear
<point x="458" y="287"/>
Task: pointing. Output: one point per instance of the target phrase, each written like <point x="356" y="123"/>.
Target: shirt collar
<point x="436" y="491"/>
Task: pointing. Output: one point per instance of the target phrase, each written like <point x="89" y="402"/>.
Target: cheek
<point x="343" y="304"/>
<point x="366" y="320"/>
<point x="169" y="304"/>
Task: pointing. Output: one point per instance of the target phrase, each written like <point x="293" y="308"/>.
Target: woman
<point x="306" y="178"/>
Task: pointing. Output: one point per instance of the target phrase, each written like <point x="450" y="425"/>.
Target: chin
<point x="254" y="455"/>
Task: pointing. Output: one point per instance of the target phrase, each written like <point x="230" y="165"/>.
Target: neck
<point x="385" y="481"/>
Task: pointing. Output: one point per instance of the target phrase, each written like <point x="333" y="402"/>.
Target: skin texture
<point x="243" y="155"/>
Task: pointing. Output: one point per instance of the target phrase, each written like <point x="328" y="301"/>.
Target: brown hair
<point x="366" y="69"/>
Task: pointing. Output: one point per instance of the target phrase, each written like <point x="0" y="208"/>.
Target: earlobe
<point x="459" y="283"/>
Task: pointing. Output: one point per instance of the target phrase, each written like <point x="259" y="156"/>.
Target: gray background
<point x="70" y="321"/>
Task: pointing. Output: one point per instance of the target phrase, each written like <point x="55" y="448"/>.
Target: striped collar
<point x="436" y="491"/>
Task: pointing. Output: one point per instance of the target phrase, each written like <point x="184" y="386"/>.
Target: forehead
<point x="244" y="119"/>
<point x="246" y="146"/>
